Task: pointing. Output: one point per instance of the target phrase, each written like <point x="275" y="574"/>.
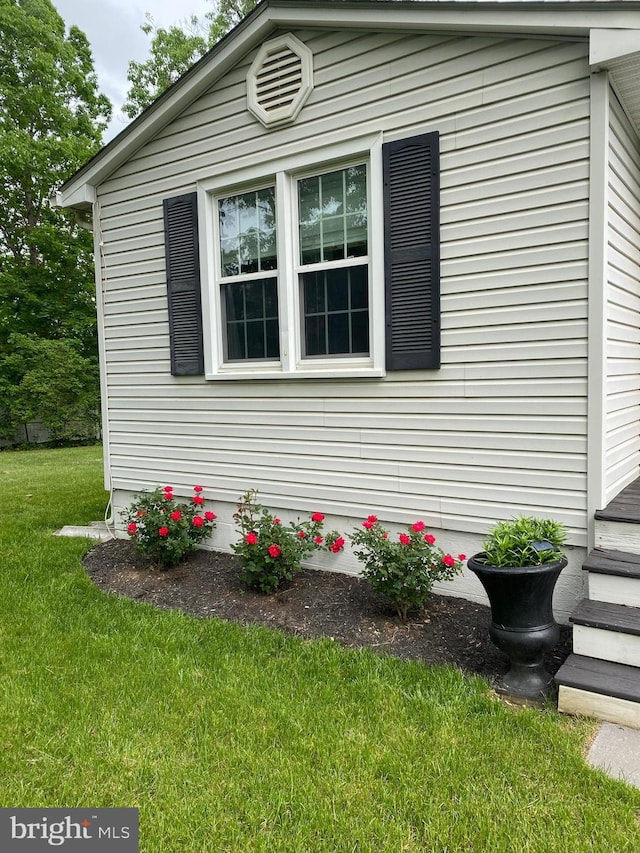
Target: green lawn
<point x="234" y="739"/>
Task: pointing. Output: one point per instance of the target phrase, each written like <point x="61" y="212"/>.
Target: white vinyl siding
<point x="622" y="424"/>
<point x="501" y="427"/>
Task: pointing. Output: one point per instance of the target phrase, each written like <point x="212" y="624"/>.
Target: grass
<point x="241" y="739"/>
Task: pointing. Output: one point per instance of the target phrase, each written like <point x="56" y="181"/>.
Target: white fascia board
<point x="80" y="197"/>
<point x="607" y="45"/>
<point x="532" y="18"/>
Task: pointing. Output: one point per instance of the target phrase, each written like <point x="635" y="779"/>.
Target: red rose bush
<point x="270" y="551"/>
<point x="166" y="528"/>
<point x="405" y="568"/>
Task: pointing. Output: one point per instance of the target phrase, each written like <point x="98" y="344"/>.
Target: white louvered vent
<point x="280" y="80"/>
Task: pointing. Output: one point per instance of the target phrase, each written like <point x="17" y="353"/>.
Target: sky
<point x="113" y="30"/>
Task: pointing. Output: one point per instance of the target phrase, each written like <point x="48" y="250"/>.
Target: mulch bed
<point x="315" y="604"/>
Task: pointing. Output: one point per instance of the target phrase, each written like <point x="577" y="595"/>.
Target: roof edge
<point x="566" y="18"/>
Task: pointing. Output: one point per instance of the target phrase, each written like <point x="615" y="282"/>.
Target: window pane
<point x="251" y="310"/>
<point x="273" y="345"/>
<point x="360" y="331"/>
<point x="314" y="293"/>
<point x="235" y="341"/>
<point x="356" y="190"/>
<point x="333" y="239"/>
<point x="314" y="329"/>
<point x="359" y="294"/>
<point x="332" y="215"/>
<point x="339" y="323"/>
<point x="339" y="333"/>
<point x="248" y="232"/>
<point x="256" y="347"/>
<point x="332" y="190"/>
<point x="338" y="290"/>
<point x="254" y="300"/>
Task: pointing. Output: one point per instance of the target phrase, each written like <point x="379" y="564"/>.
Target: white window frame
<point x="284" y="173"/>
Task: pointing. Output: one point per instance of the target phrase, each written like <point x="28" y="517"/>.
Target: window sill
<point x="303" y="372"/>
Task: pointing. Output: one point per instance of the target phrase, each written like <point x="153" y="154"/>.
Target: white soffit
<point x="618" y="52"/>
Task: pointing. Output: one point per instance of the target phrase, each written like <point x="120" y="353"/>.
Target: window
<point x="316" y="266"/>
<point x="333" y="241"/>
<point x="248" y="275"/>
<point x="289" y="268"/>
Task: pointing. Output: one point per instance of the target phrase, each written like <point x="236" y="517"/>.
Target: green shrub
<point x="403" y="569"/>
<point x="166" y="529"/>
<point x="270" y="551"/>
<point x="524" y="541"/>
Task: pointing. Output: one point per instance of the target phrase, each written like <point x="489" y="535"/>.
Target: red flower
<point x="429" y="539"/>
<point x="274" y="551"/>
<point x="251" y="539"/>
<point x="419" y="526"/>
<point x="141" y="513"/>
<point x="163" y="531"/>
<point x="277" y="521"/>
<point x="404" y="539"/>
<point x="210" y="516"/>
<point x="462" y="556"/>
<point x="318" y="540"/>
<point x="317" y="517"/>
<point x="197" y="488"/>
<point x="367" y="524"/>
<point x="168" y="496"/>
<point x="132" y="529"/>
<point x="198" y="521"/>
<point x="168" y="488"/>
<point x="302" y="534"/>
<point x="448" y="560"/>
<point x="385" y="535"/>
<point x="337" y="545"/>
<point x="198" y="499"/>
<point x="372" y="518"/>
<point x="176" y="516"/>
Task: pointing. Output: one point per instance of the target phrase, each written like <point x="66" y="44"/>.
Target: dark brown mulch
<point x="316" y="604"/>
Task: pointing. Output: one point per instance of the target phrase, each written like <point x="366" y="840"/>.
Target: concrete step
<point x="607" y="631"/>
<point x="598" y="688"/>
<point x="614" y="576"/>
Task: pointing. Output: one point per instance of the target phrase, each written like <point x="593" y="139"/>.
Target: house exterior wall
<point x="622" y="416"/>
<point x="500" y="429"/>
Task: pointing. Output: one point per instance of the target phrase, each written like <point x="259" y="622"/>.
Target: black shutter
<point x="412" y="252"/>
<point x="183" y="284"/>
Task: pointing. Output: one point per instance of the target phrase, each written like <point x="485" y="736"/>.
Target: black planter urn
<point x="522" y="623"/>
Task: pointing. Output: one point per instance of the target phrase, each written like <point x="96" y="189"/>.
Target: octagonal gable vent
<point x="280" y="80"/>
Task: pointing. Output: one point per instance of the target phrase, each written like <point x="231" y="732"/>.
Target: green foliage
<point x="49" y="381"/>
<point x="403" y="569"/>
<point x="166" y="529"/>
<point x="51" y="121"/>
<point x="173" y="51"/>
<point x="524" y="541"/>
<point x="270" y="551"/>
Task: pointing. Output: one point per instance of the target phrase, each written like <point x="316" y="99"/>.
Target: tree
<point x="173" y="51"/>
<point x="50" y="382"/>
<point x="52" y="117"/>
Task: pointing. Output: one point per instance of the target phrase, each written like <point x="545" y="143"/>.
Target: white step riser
<point x="571" y="700"/>
<point x="617" y="536"/>
<point x="614" y="589"/>
<point x="606" y="645"/>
